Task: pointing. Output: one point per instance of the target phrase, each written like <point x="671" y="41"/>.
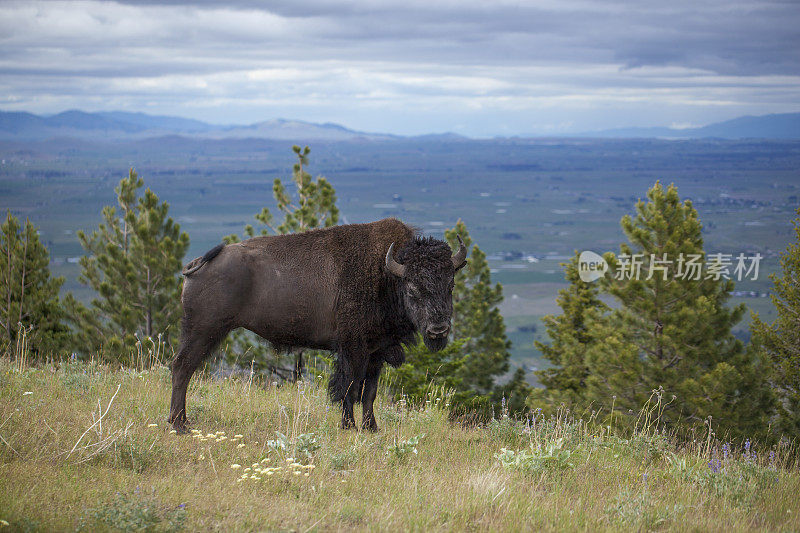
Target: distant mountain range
<point x="119" y="125"/>
<point x="779" y="126"/>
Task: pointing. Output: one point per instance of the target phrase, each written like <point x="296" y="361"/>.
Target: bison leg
<point x="345" y="386"/>
<point x="195" y="347"/>
<point x="348" y="419"/>
<point x="369" y="391"/>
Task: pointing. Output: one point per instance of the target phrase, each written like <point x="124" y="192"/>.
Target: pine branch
<point x="675" y="360"/>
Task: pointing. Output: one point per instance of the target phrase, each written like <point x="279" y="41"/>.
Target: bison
<point x="359" y="290"/>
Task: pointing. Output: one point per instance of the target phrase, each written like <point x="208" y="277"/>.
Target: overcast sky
<point x="478" y="68"/>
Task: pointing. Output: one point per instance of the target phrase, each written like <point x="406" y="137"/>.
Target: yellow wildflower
<point x="235" y="466"/>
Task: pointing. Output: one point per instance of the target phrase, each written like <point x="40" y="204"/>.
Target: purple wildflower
<point x="746" y="453"/>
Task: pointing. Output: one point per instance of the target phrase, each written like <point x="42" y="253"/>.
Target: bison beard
<point x="360" y="290"/>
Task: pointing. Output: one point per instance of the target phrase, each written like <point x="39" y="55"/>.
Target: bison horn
<point x="459" y="259"/>
<point x="393" y="266"/>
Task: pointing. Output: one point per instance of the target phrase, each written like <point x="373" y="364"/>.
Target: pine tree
<point x="476" y="318"/>
<point x="780" y="341"/>
<point x="565" y="382"/>
<point x="671" y="332"/>
<point x="424" y="370"/>
<point x="30" y="310"/>
<point x="314" y="207"/>
<point x="133" y="262"/>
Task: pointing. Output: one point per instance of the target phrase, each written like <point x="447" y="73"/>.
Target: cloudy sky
<point x="476" y="67"/>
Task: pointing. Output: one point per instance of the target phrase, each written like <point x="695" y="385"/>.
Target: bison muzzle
<point x="359" y="290"/>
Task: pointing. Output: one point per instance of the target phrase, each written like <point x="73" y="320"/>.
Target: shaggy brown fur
<point x="326" y="289"/>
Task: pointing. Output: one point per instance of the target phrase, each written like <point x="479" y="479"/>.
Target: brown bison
<point x="360" y="290"/>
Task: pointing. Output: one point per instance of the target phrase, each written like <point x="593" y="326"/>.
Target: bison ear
<point x="393" y="266"/>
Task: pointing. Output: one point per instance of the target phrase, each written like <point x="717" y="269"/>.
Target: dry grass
<point x="87" y="447"/>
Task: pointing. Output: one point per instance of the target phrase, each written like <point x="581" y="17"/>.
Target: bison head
<point x="426" y="270"/>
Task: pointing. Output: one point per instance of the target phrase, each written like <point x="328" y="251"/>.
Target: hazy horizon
<point x="257" y="121"/>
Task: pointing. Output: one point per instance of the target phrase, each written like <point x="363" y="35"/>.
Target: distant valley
<point x="528" y="203"/>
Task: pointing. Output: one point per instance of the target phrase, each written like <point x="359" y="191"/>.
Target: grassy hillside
<point x="85" y="446"/>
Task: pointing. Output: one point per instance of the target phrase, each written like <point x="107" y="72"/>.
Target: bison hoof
<point x="178" y="424"/>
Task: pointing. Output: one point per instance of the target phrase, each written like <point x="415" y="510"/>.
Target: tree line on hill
<point x="666" y="342"/>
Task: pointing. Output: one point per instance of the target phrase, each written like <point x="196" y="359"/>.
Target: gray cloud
<point x="728" y="37"/>
<point x="365" y="58"/>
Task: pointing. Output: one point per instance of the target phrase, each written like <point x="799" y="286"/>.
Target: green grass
<point x="71" y="458"/>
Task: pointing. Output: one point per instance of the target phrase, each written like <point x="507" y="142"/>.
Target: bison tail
<point x="197" y="263"/>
